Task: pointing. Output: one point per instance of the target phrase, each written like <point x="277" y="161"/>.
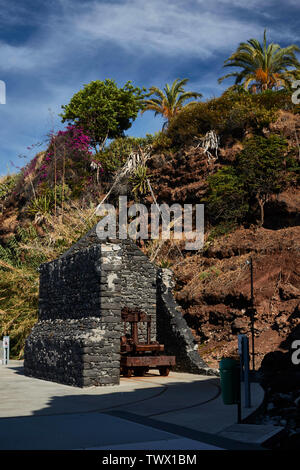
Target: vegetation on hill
<point x="170" y="101"/>
<point x="50" y="203"/>
<point x="233" y="114"/>
<point x="264" y="67"/>
<point x="103" y="110"/>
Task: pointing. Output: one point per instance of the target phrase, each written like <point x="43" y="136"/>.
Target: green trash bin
<point x="230" y="381"/>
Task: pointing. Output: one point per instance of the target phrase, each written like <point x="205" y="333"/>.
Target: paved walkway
<point x="182" y="411"/>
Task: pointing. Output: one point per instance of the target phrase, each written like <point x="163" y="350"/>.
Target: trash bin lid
<point x="228" y="363"/>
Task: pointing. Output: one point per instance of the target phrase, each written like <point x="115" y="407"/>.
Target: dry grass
<point x="19" y="284"/>
<point x="18" y="300"/>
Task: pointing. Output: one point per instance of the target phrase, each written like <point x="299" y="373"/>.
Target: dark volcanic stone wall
<point x="173" y="331"/>
<point x="80" y="353"/>
<point x="77" y="338"/>
<point x="138" y="276"/>
<point x="138" y="284"/>
<point x="70" y="287"/>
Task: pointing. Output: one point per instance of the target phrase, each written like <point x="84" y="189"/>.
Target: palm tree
<point x="169" y="101"/>
<point x="264" y="67"/>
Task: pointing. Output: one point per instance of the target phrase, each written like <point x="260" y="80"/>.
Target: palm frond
<point x="170" y="100"/>
<point x="269" y="65"/>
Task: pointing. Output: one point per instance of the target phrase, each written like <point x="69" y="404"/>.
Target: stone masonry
<point x="76" y="340"/>
<point x="173" y="331"/>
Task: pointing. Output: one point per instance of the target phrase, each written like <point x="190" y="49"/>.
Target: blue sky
<point x="49" y="50"/>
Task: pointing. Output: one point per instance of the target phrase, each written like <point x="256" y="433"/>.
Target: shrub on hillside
<point x="232" y="113"/>
<point x="261" y="170"/>
<point x="115" y="155"/>
<point x="227" y="199"/>
<point x="191" y="122"/>
<point x="63" y="170"/>
<point x="161" y="142"/>
<point x="280" y="99"/>
<point x="7" y="184"/>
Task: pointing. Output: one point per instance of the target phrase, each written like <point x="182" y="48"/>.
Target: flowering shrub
<point x="30" y="167"/>
<point x="68" y="149"/>
<point x="66" y="169"/>
<point x="76" y="140"/>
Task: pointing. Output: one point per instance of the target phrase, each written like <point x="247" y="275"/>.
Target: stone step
<point x="251" y="433"/>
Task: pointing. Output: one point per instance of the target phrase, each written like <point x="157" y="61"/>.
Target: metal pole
<point x="245" y="345"/>
<point x="251" y="271"/>
<point x="239" y="409"/>
<point x="252" y="314"/>
<point x="239" y="403"/>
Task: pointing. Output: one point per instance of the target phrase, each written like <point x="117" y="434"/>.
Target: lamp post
<point x="252" y="311"/>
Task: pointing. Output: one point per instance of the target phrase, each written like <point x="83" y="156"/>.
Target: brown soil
<point x="213" y="287"/>
<point x="214" y="290"/>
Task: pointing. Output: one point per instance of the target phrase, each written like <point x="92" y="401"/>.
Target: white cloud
<point x="70" y="45"/>
<point x="168" y="28"/>
<point x="18" y="57"/>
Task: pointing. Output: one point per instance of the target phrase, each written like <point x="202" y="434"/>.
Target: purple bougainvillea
<point x="74" y="145"/>
<point x="76" y="139"/>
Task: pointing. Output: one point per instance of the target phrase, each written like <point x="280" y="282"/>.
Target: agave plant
<point x="140" y="181"/>
<point x="40" y="208"/>
<point x="169" y="101"/>
<point x="263" y="66"/>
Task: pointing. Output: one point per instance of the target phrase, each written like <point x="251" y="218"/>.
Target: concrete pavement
<point x="182" y="411"/>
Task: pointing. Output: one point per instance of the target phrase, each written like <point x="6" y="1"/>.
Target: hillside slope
<point x="51" y="204"/>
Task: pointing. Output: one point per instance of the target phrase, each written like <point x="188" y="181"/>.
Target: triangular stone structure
<point x="76" y="340"/>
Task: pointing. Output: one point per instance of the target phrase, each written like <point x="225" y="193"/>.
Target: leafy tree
<point x="261" y="166"/>
<point x="261" y="170"/>
<point x="169" y="101"/>
<point x="227" y="198"/>
<point x="263" y="66"/>
<point x="103" y="110"/>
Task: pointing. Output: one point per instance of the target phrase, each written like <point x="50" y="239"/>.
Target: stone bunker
<point x="76" y="340"/>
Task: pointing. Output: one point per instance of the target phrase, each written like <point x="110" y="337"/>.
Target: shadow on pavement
<point x="84" y="420"/>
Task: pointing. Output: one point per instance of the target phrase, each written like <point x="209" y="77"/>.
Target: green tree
<point x="169" y="101"/>
<point x="227" y="198"/>
<point x="103" y="110"/>
<point x="261" y="165"/>
<point x="263" y="66"/>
